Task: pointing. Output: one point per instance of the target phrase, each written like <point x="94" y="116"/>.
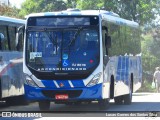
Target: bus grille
<point x="71" y="93"/>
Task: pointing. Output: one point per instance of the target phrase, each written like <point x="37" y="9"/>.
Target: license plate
<point x="61" y="96"/>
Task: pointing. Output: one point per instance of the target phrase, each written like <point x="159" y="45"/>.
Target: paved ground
<point x="142" y="102"/>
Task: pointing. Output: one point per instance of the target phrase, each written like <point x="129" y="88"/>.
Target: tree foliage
<point x="34" y="6"/>
<point x="141" y="11"/>
<point x="8" y="11"/>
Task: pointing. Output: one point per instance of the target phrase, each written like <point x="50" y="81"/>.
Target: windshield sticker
<point x="78" y="65"/>
<point x="65" y="63"/>
<point x="35" y="54"/>
<point x="65" y="56"/>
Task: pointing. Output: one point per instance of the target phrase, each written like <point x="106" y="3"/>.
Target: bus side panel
<point x="136" y="69"/>
<point x="122" y="79"/>
<point x="121" y="67"/>
<point x="11" y="74"/>
<point x="109" y="70"/>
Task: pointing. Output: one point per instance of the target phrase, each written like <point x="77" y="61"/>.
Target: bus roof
<point x="73" y="13"/>
<point x="106" y="15"/>
<point x="120" y="21"/>
<point x="11" y="21"/>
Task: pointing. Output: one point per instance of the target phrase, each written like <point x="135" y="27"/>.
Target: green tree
<point x="9" y="11"/>
<point x="141" y="11"/>
<point x="71" y="3"/>
<point x="34" y="6"/>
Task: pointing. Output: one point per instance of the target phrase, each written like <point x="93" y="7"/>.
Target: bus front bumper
<point x="85" y="93"/>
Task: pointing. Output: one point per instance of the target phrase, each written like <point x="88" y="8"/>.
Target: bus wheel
<point x="128" y="98"/>
<point x="118" y="100"/>
<point x="103" y="104"/>
<point x="44" y="105"/>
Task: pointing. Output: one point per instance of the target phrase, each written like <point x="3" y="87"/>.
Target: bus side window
<point x="4" y="43"/>
<point x="106" y="40"/>
<point x="20" y="37"/>
<point x="1" y="40"/>
<point x="12" y="36"/>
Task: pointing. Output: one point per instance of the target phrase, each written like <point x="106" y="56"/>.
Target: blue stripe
<point x="127" y="68"/>
<point x="78" y="83"/>
<point x="123" y="69"/>
<point x="118" y="69"/>
<point x="49" y="84"/>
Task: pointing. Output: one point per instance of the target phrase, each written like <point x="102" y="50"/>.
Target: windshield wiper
<point x="75" y="36"/>
<point x="51" y="38"/>
<point x="41" y="29"/>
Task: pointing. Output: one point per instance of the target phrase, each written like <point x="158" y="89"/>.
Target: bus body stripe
<point x="63" y="83"/>
<point x="4" y="70"/>
<point x="123" y="68"/>
<point x="78" y="83"/>
<point x="70" y="83"/>
<point x="56" y="84"/>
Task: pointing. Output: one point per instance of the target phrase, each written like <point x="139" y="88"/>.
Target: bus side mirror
<point x="20" y="37"/>
<point x="1" y="37"/>
<point x="107" y="41"/>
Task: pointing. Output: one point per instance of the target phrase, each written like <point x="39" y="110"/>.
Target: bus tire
<point x="128" y="98"/>
<point x="118" y="100"/>
<point x="112" y="87"/>
<point x="44" y="105"/>
<point x="103" y="104"/>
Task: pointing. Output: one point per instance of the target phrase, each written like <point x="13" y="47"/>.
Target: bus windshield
<point x="68" y="49"/>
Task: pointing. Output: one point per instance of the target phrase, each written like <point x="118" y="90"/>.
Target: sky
<point x="16" y="3"/>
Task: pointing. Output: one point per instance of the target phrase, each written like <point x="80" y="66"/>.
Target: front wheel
<point x="103" y="104"/>
<point x="44" y="105"/>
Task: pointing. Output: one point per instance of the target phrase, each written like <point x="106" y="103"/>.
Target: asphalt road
<point x="142" y="102"/>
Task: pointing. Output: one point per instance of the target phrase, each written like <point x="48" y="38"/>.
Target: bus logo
<point x="61" y="85"/>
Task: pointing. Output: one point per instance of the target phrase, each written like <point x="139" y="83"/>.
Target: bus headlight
<point x="29" y="81"/>
<point x="94" y="80"/>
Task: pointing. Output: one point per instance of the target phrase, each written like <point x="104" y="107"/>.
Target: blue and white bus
<point x="78" y="56"/>
<point x="11" y="61"/>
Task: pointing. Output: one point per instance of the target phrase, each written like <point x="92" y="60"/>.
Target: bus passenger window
<point x="4" y="42"/>
<point x="1" y="40"/>
<point x="12" y="36"/>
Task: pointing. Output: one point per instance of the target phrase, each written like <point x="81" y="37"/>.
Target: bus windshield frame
<point x="71" y="61"/>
